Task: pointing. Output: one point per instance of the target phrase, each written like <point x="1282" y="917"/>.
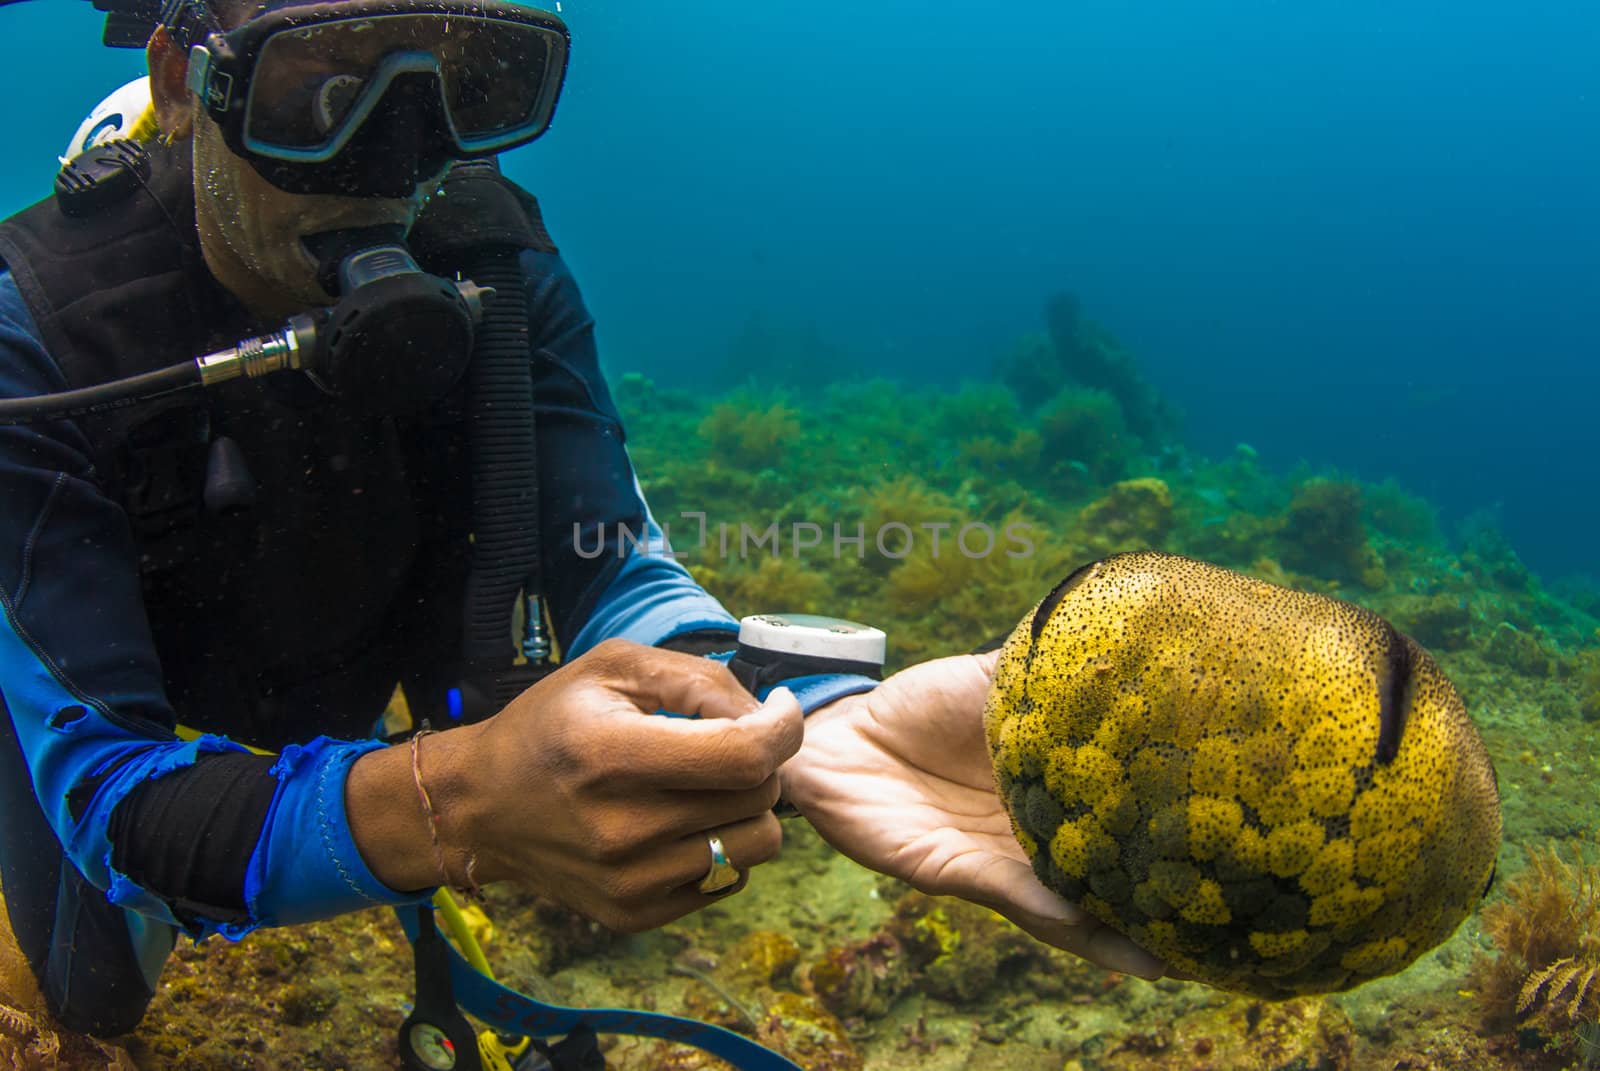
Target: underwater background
<point x="1310" y="291"/>
<point x="1362" y="235"/>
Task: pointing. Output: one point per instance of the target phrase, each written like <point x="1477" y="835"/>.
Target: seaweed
<point x="1086" y="426"/>
<point x="31" y="1043"/>
<point x="1398" y="513"/>
<point x="1323" y="534"/>
<point x="1585" y="669"/>
<point x="1076" y="351"/>
<point x="742" y="434"/>
<point x="1545" y="972"/>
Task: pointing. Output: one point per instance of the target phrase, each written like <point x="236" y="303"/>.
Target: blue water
<point x="1362" y="235"/>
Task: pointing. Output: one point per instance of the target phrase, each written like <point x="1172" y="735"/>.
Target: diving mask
<point x="372" y="97"/>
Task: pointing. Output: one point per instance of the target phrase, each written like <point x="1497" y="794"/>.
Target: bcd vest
<point x="295" y="613"/>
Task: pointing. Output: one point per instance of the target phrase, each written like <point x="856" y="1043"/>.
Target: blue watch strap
<point x="820" y="689"/>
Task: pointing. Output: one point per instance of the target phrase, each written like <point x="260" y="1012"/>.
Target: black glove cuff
<point x="759" y="669"/>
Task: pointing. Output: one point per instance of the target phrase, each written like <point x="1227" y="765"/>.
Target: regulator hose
<point x="100" y="397"/>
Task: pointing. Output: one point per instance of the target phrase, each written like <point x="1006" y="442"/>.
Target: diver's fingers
<point x="1055" y="921"/>
<point x="696" y="754"/>
<point x="671" y="813"/>
<point x="1096" y="942"/>
<point x="655" y="679"/>
<point x="1113" y="951"/>
<point x="666" y="885"/>
<point x="745" y="845"/>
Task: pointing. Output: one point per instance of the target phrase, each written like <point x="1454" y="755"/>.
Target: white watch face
<point x="815" y="621"/>
<point x="814" y="635"/>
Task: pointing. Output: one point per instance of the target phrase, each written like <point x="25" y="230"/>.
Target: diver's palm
<point x="899" y="780"/>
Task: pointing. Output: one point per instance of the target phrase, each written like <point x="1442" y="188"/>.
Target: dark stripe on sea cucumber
<point x="1394" y="695"/>
<point x="1057" y="593"/>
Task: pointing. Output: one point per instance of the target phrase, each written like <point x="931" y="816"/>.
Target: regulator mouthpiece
<point x="398" y="339"/>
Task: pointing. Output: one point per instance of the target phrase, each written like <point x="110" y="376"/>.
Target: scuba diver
<point x="430" y="490"/>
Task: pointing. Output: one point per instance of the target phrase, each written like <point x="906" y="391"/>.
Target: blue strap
<point x="820" y="689"/>
<point x="511" y="1013"/>
<point x="813" y="690"/>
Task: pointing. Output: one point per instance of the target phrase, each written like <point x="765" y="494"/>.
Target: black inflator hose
<point x="501" y="445"/>
<point x="100" y="397"/>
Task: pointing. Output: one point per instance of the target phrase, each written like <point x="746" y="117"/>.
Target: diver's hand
<point x="899" y="779"/>
<point x="580" y="791"/>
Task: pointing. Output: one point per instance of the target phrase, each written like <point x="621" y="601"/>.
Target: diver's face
<point x="250" y="230"/>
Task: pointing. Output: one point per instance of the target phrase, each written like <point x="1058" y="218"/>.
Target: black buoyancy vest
<point x="296" y="614"/>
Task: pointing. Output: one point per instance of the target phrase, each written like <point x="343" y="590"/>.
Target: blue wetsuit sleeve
<point x="604" y="572"/>
<point x="609" y="570"/>
<point x="653" y="599"/>
<point x="81" y="682"/>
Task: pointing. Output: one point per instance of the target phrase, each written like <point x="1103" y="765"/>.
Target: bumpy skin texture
<point x="1275" y="791"/>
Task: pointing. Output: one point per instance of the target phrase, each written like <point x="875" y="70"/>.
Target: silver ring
<point x="723" y="875"/>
